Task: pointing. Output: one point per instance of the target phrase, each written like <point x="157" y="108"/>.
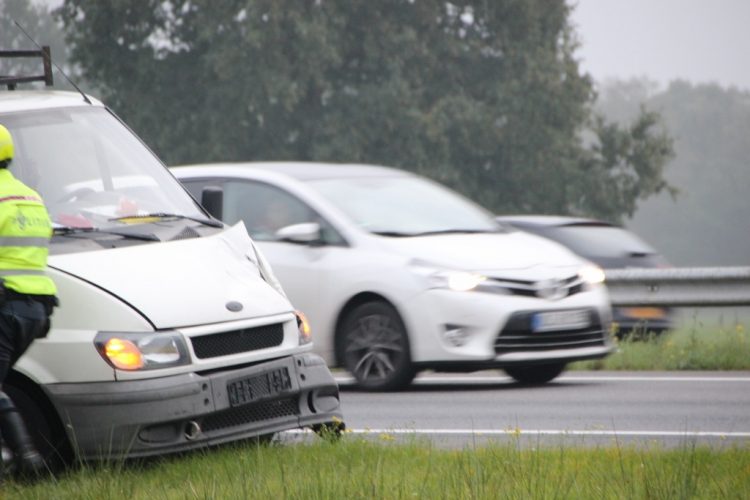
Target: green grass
<point x="697" y="347"/>
<point x="359" y="468"/>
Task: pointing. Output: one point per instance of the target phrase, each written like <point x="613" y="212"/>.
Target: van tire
<point x="43" y="425"/>
<point x="374" y="347"/>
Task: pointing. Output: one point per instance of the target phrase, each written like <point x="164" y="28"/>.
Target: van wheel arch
<point x="41" y="419"/>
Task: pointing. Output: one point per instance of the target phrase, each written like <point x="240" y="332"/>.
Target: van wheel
<point x="374" y="348"/>
<point x="535" y="374"/>
<point x="41" y="422"/>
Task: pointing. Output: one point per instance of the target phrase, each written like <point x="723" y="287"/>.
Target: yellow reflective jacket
<point x="25" y="231"/>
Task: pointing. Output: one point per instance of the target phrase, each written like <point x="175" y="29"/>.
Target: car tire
<point x="374" y="348"/>
<point x="535" y="374"/>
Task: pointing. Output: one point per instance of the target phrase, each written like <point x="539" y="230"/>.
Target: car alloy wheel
<point x="376" y="348"/>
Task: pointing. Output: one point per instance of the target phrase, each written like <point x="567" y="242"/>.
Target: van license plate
<point x="560" y="320"/>
<point x="250" y="389"/>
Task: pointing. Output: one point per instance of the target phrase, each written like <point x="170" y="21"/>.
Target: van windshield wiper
<point x="166" y="215"/>
<point x="68" y="230"/>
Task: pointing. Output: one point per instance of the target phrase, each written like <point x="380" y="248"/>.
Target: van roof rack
<point x="44" y="54"/>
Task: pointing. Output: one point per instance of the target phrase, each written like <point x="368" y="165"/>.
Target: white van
<point x="172" y="333"/>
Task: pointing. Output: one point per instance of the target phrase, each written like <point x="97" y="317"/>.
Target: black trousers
<point x="21" y="321"/>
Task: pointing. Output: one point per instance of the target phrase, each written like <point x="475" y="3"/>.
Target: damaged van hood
<point x="185" y="282"/>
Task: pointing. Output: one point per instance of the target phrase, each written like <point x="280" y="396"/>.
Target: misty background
<point x="686" y="59"/>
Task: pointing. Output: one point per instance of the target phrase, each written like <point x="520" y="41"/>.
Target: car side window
<point x="263" y="208"/>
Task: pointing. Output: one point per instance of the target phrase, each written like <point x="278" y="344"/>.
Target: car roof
<point x="551" y="221"/>
<point x="31" y="100"/>
<point x="311" y="170"/>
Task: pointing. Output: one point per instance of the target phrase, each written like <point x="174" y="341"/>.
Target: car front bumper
<point x="465" y="331"/>
<point x="126" y="419"/>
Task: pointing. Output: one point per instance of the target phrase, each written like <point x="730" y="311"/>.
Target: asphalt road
<point x="589" y="408"/>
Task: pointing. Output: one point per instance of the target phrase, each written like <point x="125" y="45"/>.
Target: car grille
<point x="517" y="336"/>
<point x="256" y="412"/>
<point x="549" y="289"/>
<point x="237" y="341"/>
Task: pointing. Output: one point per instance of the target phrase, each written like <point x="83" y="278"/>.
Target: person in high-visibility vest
<point x="27" y="295"/>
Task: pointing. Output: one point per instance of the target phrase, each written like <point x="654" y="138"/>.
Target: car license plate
<point x="560" y="320"/>
<point x="247" y="390"/>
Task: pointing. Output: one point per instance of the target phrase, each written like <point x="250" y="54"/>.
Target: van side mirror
<point x="212" y="199"/>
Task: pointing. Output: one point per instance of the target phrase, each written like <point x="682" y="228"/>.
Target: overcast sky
<point x="696" y="40"/>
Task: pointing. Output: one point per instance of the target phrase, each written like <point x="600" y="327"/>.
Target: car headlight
<point x="591" y="274"/>
<point x="303" y="326"/>
<point x="458" y="281"/>
<point x="142" y="351"/>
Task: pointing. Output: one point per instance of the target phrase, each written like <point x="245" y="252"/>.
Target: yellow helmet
<point x="6" y="144"/>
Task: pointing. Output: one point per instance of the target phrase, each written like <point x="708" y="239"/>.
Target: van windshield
<point x="90" y="169"/>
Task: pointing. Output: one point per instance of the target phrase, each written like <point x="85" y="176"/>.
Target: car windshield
<point x="601" y="241"/>
<point x="404" y="206"/>
<point x="91" y="171"/>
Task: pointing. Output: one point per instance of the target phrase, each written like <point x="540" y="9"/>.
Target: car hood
<point x="488" y="253"/>
<point x="181" y="283"/>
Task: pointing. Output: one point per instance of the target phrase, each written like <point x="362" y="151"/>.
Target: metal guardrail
<point x="677" y="287"/>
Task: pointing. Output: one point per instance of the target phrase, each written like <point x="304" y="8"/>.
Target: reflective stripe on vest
<point x="21" y="272"/>
<point x="20" y="198"/>
<point x="24" y="241"/>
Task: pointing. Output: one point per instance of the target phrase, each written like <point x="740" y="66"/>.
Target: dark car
<point x="611" y="247"/>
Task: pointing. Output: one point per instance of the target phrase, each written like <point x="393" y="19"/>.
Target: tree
<point x="484" y="96"/>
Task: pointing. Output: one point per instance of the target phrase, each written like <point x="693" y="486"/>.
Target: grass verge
<point x="693" y="348"/>
<point x="357" y="468"/>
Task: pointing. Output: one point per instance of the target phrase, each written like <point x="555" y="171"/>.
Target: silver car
<point x="399" y="274"/>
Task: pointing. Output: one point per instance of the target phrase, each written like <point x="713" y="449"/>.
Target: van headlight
<point x="591" y="274"/>
<point x="142" y="351"/>
<point x="458" y="281"/>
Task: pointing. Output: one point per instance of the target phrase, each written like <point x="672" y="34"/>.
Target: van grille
<point x="517" y="336"/>
<point x="256" y="412"/>
<point x="237" y="341"/>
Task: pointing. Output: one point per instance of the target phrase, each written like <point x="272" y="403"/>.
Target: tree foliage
<point x="484" y="96"/>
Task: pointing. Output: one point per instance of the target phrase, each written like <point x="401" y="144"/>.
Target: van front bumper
<point x="126" y="419"/>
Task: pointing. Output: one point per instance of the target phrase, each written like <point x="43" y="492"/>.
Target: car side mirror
<point x="307" y="233"/>
<point x="212" y="199"/>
